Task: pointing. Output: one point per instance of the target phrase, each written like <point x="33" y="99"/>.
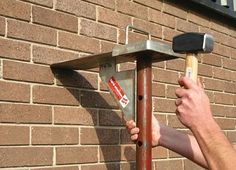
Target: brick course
<point x="55" y="119"/>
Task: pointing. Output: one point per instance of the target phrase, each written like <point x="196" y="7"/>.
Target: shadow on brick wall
<point x="110" y="134"/>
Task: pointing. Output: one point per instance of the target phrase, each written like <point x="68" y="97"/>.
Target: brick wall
<point x="54" y="120"/>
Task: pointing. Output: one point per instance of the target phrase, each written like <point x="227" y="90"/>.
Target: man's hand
<point x="133" y="131"/>
<point x="193" y="108"/>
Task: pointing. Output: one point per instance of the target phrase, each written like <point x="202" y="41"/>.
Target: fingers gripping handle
<point x="191" y="66"/>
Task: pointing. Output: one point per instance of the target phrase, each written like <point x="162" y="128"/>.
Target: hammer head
<point x="193" y="42"/>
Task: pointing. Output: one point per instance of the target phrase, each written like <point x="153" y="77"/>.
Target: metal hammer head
<point x="193" y="42"/>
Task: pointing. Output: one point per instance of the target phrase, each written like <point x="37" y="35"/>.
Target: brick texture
<point x="55" y="95"/>
<point x="27" y="72"/>
<point x="35" y="33"/>
<point x="2" y="26"/>
<point x="55" y="19"/>
<point x="14" y="49"/>
<point x="69" y="155"/>
<point x="14" y="135"/>
<point x="54" y="135"/>
<point x="57" y="119"/>
<point x="14" y="92"/>
<point x="15" y="9"/>
<point x="33" y="156"/>
<point x="22" y="113"/>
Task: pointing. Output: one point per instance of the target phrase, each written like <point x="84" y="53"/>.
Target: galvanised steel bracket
<point x="131" y="89"/>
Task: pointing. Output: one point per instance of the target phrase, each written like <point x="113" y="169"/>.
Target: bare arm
<point x="193" y="110"/>
<point x="183" y="144"/>
<point x="179" y="142"/>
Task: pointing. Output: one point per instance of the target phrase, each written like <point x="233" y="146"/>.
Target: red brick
<point x="221" y="50"/>
<point x="54" y="135"/>
<point x="205" y="70"/>
<point x="77" y="116"/>
<point x="93" y="29"/>
<point x="233" y="53"/>
<point x="133" y="37"/>
<point x="110" y="118"/>
<point x="170" y="91"/>
<point x="106" y="46"/>
<point x="213" y="84"/>
<point x="125" y="137"/>
<point x="229" y="64"/>
<point x="169" y="165"/>
<point x="2" y="26"/>
<point x="185" y="26"/>
<point x="44" y="55"/>
<point x="231" y="113"/>
<point x="132" y="9"/>
<point x="113" y="18"/>
<point x="20" y="113"/>
<point x="14" y="135"/>
<point x="219" y="110"/>
<point x="154" y="29"/>
<point x="78" y="8"/>
<point x="174" y="122"/>
<point x="223" y="98"/>
<point x="168" y="33"/>
<point x="165" y="76"/>
<point x="60" y="168"/>
<point x="161" y="18"/>
<point x="110" y="153"/>
<point x="220" y="27"/>
<point x="226" y="124"/>
<point x="159" y="152"/>
<point x="128" y="166"/>
<point x="175" y="10"/>
<point x="72" y="155"/>
<point x="97" y="100"/>
<point x="77" y="79"/>
<point x="158" y="89"/>
<point x="150" y="3"/>
<point x="93" y="136"/>
<point x="231" y="136"/>
<point x="211" y="59"/>
<point x="78" y="43"/>
<point x="15" y="9"/>
<point x="106" y="3"/>
<point x="54" y="19"/>
<point x="164" y="105"/>
<point x="14" y="49"/>
<point x="190" y="165"/>
<point x="178" y="64"/>
<point x="230" y="87"/>
<point x="113" y="166"/>
<point x="30" y="32"/>
<point x="14" y="92"/>
<point x="199" y="19"/>
<point x="25" y="156"/>
<point x="222" y="74"/>
<point x="55" y="95"/>
<point x="27" y="72"/>
<point x="46" y="3"/>
<point x="128" y="152"/>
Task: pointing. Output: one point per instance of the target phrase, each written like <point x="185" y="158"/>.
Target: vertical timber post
<point x="144" y="113"/>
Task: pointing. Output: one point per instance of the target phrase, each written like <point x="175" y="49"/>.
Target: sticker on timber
<point x="189" y="72"/>
<point x="119" y="93"/>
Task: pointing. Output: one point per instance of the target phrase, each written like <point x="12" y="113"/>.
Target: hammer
<point x="192" y="43"/>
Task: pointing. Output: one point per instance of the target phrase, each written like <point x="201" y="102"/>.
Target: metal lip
<point x="159" y="51"/>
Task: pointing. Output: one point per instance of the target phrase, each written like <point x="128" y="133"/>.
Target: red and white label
<point x="118" y="92"/>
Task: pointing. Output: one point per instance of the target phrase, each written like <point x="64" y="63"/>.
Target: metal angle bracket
<point x="122" y="86"/>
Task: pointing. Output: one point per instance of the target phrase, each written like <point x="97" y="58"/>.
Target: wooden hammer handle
<point x="191" y="66"/>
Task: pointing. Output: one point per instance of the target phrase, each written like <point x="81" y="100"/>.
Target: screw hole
<point x="140" y="97"/>
<point x="139" y="143"/>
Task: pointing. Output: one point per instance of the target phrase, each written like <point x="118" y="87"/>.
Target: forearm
<point x="183" y="144"/>
<point x="216" y="148"/>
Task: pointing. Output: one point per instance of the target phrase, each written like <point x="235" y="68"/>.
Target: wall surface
<point x="67" y="120"/>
